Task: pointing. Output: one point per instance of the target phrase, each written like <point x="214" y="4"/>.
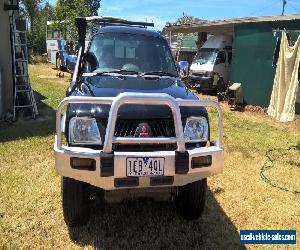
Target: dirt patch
<point x="46" y="77"/>
<point x="256" y="109"/>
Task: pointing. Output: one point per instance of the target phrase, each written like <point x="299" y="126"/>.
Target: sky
<point x="162" y="11"/>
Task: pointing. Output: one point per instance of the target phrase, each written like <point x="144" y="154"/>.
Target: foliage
<point x="31" y="9"/>
<point x="185" y="19"/>
<point x="38" y="12"/>
<point x="93" y="5"/>
<point x="67" y="10"/>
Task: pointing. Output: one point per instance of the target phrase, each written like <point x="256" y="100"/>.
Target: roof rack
<point x="104" y="20"/>
<point x="82" y="22"/>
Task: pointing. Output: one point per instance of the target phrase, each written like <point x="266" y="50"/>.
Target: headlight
<point x="84" y="130"/>
<point x="196" y="129"/>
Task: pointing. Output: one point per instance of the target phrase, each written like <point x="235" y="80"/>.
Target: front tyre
<point x="75" y="202"/>
<point x="221" y="86"/>
<point x="58" y="63"/>
<point x="190" y="199"/>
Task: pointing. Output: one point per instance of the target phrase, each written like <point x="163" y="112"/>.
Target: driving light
<point x="201" y="161"/>
<point x="83" y="163"/>
<point x="84" y="130"/>
<point x="196" y="129"/>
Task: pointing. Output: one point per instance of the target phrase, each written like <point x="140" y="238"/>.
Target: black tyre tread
<point x="57" y="62"/>
<point x="220" y="86"/>
<point x="190" y="201"/>
<point x="75" y="202"/>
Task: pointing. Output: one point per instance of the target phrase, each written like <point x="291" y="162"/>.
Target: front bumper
<point x="201" y="82"/>
<point x="63" y="167"/>
<point x="178" y="167"/>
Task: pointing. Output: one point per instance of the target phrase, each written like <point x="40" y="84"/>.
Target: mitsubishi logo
<point x="143" y="131"/>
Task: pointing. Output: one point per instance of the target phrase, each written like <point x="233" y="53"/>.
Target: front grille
<point x="198" y="74"/>
<point x="158" y="127"/>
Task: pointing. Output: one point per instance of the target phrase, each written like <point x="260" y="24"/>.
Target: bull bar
<point x="63" y="154"/>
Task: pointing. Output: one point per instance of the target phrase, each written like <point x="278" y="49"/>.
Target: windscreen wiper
<point x="119" y="71"/>
<point x="158" y="73"/>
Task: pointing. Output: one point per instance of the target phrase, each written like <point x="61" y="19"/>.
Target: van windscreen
<point x="206" y="56"/>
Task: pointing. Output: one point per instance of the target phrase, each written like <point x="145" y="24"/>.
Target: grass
<point x="30" y="201"/>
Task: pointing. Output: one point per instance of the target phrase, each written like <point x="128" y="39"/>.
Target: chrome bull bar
<point x="139" y="98"/>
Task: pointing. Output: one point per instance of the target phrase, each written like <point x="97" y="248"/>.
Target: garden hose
<point x="271" y="160"/>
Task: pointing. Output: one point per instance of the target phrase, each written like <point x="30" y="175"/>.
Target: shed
<point x="6" y="80"/>
<point x="185" y="43"/>
<point x="253" y="47"/>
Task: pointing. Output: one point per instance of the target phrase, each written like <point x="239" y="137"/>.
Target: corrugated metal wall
<point x="253" y="48"/>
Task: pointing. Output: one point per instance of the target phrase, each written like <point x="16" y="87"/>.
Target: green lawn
<point x="30" y="201"/>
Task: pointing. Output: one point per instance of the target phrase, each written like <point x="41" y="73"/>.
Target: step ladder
<point x="23" y="93"/>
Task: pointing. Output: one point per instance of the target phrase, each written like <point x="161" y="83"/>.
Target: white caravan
<point x="57" y="51"/>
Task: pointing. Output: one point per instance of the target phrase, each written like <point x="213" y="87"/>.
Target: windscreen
<point x="121" y="51"/>
<point x="206" y="56"/>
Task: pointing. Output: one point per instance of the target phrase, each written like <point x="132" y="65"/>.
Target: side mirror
<point x="221" y="57"/>
<point x="71" y="62"/>
<point x="91" y="59"/>
<point x="183" y="69"/>
<point x="183" y="65"/>
<point x="218" y="60"/>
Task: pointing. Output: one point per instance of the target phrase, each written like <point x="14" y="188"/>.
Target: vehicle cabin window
<point x="49" y="34"/>
<point x="221" y="57"/>
<point x="56" y="34"/>
<point x="53" y="34"/>
<point x="138" y="53"/>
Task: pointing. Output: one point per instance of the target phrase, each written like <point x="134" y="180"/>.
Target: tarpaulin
<point x="285" y="87"/>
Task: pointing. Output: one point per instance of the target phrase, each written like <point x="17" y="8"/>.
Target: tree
<point x="185" y="19"/>
<point x="30" y="10"/>
<point x="64" y="13"/>
<point x="36" y="36"/>
<point x="67" y="10"/>
<point x="94" y="6"/>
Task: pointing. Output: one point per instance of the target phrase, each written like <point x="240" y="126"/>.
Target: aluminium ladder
<point x="23" y="93"/>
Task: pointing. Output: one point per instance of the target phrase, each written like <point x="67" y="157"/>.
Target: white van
<point x="56" y="46"/>
<point x="210" y="67"/>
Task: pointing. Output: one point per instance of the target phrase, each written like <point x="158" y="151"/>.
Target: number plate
<point x="145" y="166"/>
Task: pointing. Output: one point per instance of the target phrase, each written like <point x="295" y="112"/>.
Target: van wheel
<point x="220" y="86"/>
<point x="75" y="202"/>
<point x="190" y="199"/>
<point x="58" y="62"/>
